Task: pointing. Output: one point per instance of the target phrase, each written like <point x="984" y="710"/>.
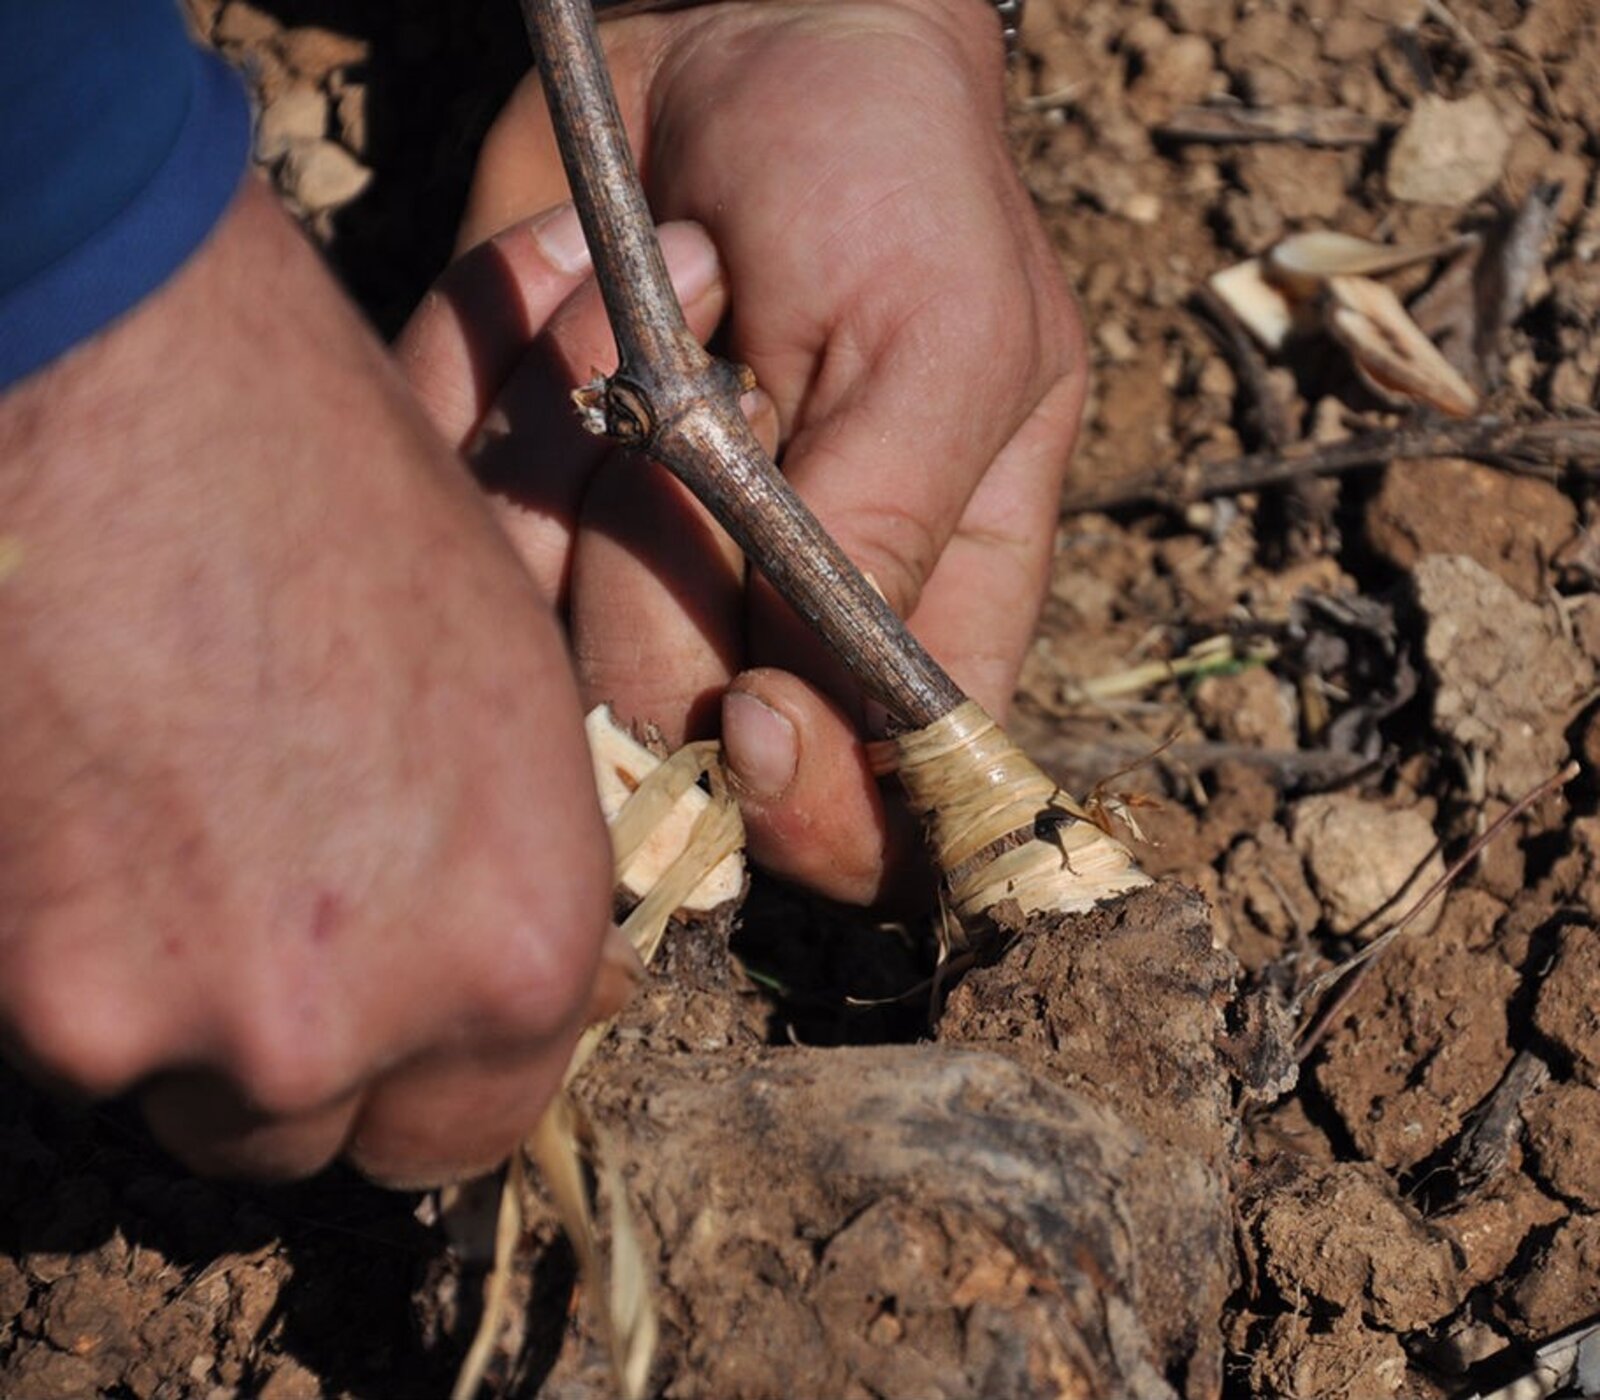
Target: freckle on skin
<point x="325" y="918"/>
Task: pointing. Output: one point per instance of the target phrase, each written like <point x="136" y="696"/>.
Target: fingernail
<point x="560" y="238"/>
<point x="762" y="415"/>
<point x="761" y="746"/>
<point x="691" y="259"/>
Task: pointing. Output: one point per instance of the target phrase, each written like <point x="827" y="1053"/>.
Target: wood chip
<point x="1393" y="356"/>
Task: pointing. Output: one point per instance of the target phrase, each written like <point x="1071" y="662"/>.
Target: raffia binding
<point x="1000" y="828"/>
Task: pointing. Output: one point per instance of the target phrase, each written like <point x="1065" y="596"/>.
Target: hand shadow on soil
<point x="345" y="1256"/>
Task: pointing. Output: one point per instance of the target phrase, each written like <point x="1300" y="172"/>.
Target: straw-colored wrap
<point x="1000" y="828"/>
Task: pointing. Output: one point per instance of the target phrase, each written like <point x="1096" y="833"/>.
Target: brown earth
<point x="1107" y="1173"/>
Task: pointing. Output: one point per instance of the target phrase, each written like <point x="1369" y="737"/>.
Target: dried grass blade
<point x="631" y="1327"/>
<point x="717" y="832"/>
<point x="496" y="1286"/>
<point x="634" y="1327"/>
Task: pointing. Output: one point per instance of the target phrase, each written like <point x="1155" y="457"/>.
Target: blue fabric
<point x="121" y="145"/>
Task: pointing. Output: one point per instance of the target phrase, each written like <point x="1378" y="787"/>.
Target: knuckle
<point x="74" y="1038"/>
<point x="283" y="1073"/>
<point x="536" y="980"/>
<point x="68" y="1011"/>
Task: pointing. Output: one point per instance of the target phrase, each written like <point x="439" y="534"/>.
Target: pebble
<point x="298" y="114"/>
<point x="322" y="175"/>
<point x="314" y="52"/>
<point x="242" y="23"/>
<point x="1449" y="153"/>
<point x="1361" y="855"/>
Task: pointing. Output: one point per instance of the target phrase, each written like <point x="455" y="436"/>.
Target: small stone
<point x="1350" y="37"/>
<point x="291" y="1381"/>
<point x="1253" y="219"/>
<point x="1549" y="28"/>
<point x="1217" y="378"/>
<point x="299" y="114"/>
<point x="1113" y="338"/>
<point x="1146" y="36"/>
<point x="1178" y="73"/>
<point x="1521" y="370"/>
<point x="241" y="23"/>
<point x="1571" y="389"/>
<point x="1142" y="208"/>
<point x="1449" y="152"/>
<point x="322" y="175"/>
<point x="1212" y="18"/>
<point x="1362" y="857"/>
<point x="1253" y="707"/>
<point x="1272" y="57"/>
<point x="314" y="52"/>
<point x="1328" y="421"/>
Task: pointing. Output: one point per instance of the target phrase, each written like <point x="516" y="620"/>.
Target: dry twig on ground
<point x="1307" y="126"/>
<point x="1541" y="446"/>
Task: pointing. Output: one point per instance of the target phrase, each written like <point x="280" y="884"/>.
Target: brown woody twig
<point x="1542" y="446"/>
<point x="672" y="400"/>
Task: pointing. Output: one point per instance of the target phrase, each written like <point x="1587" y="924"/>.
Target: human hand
<point x="299" y="836"/>
<point x="893" y="291"/>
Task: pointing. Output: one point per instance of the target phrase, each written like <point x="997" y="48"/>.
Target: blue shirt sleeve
<point x="121" y="144"/>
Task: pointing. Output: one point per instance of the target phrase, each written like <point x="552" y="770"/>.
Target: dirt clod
<point x="1428" y="1040"/>
<point x="1490" y="1229"/>
<point x="1568" y="1011"/>
<point x="1512" y="525"/>
<point x="1342" y="1360"/>
<point x="1562" y="1285"/>
<point x="1366" y="862"/>
<point x="1340" y="1233"/>
<point x="1563" y="1125"/>
<point x="1478" y="634"/>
